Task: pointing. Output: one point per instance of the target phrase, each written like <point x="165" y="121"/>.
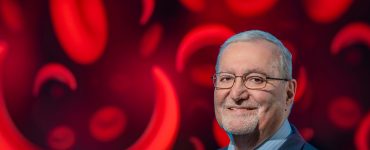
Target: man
<point x="254" y="93"/>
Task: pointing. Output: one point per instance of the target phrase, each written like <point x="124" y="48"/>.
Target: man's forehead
<point x="247" y="70"/>
<point x="238" y="63"/>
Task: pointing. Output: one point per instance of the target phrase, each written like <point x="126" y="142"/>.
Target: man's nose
<point x="239" y="92"/>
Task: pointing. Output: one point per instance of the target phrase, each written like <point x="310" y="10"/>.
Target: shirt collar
<point x="278" y="138"/>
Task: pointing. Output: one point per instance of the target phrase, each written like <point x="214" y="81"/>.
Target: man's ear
<point x="291" y="90"/>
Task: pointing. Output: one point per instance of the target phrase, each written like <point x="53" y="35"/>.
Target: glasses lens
<point x="224" y="80"/>
<point x="255" y="82"/>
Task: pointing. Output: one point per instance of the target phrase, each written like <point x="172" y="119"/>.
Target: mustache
<point x="244" y="105"/>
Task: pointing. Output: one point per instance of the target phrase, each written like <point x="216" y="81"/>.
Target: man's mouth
<point x="241" y="108"/>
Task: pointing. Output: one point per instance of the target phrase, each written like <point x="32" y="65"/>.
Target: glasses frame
<point x="244" y="79"/>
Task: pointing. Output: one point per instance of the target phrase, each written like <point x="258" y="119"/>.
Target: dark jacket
<point x="296" y="142"/>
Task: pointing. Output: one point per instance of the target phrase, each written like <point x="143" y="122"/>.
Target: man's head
<point x="261" y="89"/>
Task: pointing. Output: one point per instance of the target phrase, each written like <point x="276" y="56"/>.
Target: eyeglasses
<point x="251" y="81"/>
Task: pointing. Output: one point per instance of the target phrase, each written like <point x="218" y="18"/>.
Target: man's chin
<point x="240" y="131"/>
<point x="241" y="127"/>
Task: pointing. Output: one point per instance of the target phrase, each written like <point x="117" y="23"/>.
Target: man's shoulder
<point x="296" y="142"/>
<point x="224" y="148"/>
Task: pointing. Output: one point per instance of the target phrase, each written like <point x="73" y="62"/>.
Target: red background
<point x="109" y="59"/>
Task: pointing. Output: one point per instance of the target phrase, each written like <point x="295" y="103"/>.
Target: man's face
<point x="240" y="110"/>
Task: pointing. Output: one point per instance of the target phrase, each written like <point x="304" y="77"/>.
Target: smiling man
<point x="254" y="93"/>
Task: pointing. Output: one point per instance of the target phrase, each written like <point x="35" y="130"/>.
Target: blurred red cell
<point x="307" y="133"/>
<point x="326" y="11"/>
<point x="363" y="133"/>
<point x="194" y="5"/>
<point x="108" y="123"/>
<point x="147" y="10"/>
<point x="220" y="135"/>
<point x="250" y="8"/>
<point x="11" y="14"/>
<point x="10" y="137"/>
<point x="197" y="143"/>
<point x="150" y="40"/>
<point x="301" y="84"/>
<point x="344" y="112"/>
<point x="201" y="36"/>
<point x="81" y="28"/>
<point x="164" y="124"/>
<point x="54" y="71"/>
<point x="201" y="74"/>
<point x="61" y="138"/>
<point x="357" y="32"/>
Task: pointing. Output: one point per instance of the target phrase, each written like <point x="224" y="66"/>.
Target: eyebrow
<point x="255" y="71"/>
<point x="248" y="72"/>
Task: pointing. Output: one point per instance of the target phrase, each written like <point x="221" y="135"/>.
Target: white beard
<point x="240" y="125"/>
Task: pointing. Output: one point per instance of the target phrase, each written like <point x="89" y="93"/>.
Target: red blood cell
<point x="350" y="34"/>
<point x="362" y="134"/>
<point x="81" y="28"/>
<point x="326" y="11"/>
<point x="61" y="138"/>
<point x="150" y="40"/>
<point x="250" y="8"/>
<point x="201" y="74"/>
<point x="194" y="5"/>
<point x="147" y="11"/>
<point x="107" y="123"/>
<point x="197" y="143"/>
<point x="164" y="124"/>
<point x="344" y="112"/>
<point x="202" y="36"/>
<point x="220" y="135"/>
<point x="54" y="71"/>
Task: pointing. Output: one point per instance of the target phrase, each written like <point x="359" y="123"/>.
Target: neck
<point x="254" y="139"/>
<point x="246" y="142"/>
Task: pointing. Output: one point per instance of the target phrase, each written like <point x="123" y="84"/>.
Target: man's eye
<point x="256" y="80"/>
<point x="226" y="78"/>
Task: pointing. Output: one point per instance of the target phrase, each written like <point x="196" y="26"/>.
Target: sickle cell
<point x="202" y="36"/>
<point x="164" y="124"/>
<point x="350" y="34"/>
<point x="54" y="71"/>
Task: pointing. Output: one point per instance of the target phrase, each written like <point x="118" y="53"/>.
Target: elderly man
<point x="254" y="93"/>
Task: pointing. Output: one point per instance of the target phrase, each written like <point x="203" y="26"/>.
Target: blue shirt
<point x="275" y="141"/>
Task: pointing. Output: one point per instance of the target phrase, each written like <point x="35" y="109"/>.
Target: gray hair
<point x="285" y="55"/>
